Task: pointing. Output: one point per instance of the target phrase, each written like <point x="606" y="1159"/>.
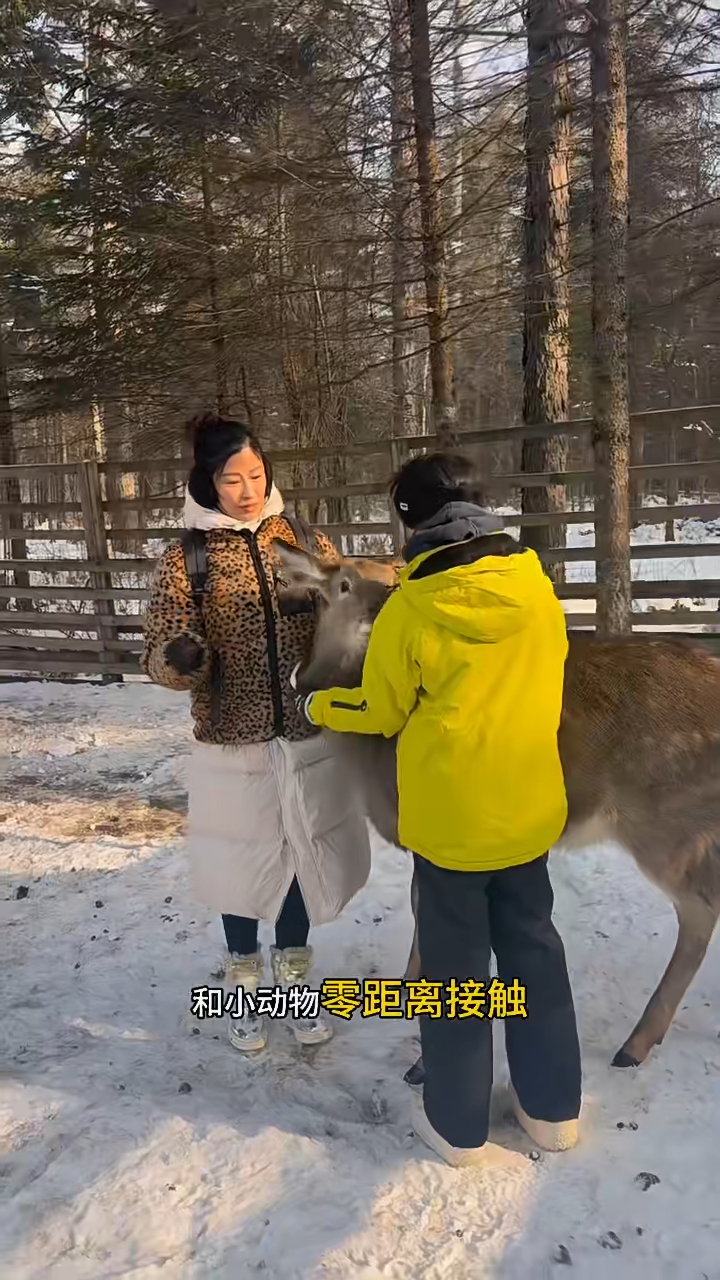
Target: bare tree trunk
<point x="671" y="492"/>
<point x="249" y="411"/>
<point x="672" y="485"/>
<point x="433" y="236"/>
<point x="11" y="494"/>
<point x="291" y="368"/>
<point x="637" y="484"/>
<point x="108" y="421"/>
<point x="611" y="439"/>
<point x="546" y="350"/>
<point x="332" y="406"/>
<point x="401" y="157"/>
<point x="218" y="330"/>
<point x="457" y="279"/>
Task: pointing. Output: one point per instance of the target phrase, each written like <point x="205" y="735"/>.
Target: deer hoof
<point x="624" y="1059"/>
<point x="415" y="1077"/>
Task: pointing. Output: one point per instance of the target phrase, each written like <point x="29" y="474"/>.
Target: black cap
<point x="429" y="483"/>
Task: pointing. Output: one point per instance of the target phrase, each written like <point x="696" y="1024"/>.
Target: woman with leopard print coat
<point x="275" y="833"/>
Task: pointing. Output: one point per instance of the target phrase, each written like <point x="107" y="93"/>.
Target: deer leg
<point x="696" y="922"/>
<point x="412" y="972"/>
<point x="416" y="1075"/>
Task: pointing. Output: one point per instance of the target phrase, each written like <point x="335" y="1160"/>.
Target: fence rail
<point x="90" y="623"/>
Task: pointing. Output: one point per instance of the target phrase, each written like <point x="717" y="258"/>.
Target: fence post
<point x="98" y="551"/>
<point x="399" y="536"/>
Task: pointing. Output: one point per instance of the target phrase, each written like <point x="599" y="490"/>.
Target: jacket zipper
<point x="271" y="631"/>
<point x="349" y="706"/>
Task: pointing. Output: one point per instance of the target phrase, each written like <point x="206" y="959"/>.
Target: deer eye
<point x="344" y="587"/>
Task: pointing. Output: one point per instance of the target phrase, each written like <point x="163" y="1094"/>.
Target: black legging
<point x="291" y="929"/>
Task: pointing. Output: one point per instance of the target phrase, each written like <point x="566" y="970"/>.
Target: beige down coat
<point x="264" y="811"/>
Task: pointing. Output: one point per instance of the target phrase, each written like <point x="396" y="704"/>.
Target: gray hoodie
<point x="455" y="522"/>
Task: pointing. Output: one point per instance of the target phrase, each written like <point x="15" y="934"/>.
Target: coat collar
<point x="197" y="517"/>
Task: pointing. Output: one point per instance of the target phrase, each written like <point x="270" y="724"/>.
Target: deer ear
<point x="300" y="571"/>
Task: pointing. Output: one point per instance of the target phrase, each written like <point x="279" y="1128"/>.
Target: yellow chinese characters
<point x="383" y="998"/>
<point x="424" y="998"/>
<point x="341" y="996"/>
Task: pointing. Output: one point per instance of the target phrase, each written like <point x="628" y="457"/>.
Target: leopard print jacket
<point x="253" y="637"/>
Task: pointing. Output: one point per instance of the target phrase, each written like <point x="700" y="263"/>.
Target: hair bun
<point x="201" y="422"/>
<point x="198" y="426"/>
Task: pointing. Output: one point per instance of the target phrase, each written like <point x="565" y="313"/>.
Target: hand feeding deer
<point x="640" y="748"/>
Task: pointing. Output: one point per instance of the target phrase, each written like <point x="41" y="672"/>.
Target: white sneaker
<point x="291" y="968"/>
<point x="247" y="1032"/>
<point x="561" y="1135"/>
<point x="488" y="1156"/>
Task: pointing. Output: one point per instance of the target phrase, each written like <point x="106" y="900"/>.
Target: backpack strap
<point x="194" y="545"/>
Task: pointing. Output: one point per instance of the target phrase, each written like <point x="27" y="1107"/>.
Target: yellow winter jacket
<point x="467" y="666"/>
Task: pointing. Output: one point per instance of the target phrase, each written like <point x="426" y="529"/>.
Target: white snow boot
<point x="247" y="1032"/>
<point x="291" y="968"/>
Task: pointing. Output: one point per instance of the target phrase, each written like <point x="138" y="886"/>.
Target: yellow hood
<point x="490" y="600"/>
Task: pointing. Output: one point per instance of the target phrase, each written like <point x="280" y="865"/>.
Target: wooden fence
<point x="78" y="611"/>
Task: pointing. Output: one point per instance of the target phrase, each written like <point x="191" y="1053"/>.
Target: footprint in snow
<point x="610" y="1241"/>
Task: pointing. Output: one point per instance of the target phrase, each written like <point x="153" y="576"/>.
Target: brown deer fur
<point x="639" y="742"/>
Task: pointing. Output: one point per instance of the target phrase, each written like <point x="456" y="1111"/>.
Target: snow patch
<point x="300" y="1164"/>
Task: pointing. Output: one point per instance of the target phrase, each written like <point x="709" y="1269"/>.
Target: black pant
<point x="291" y="930"/>
<point x="461" y="916"/>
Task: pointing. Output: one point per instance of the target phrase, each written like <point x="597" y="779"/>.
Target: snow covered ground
<point x="134" y="1143"/>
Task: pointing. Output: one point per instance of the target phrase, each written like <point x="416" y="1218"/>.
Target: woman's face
<point x="241" y="486"/>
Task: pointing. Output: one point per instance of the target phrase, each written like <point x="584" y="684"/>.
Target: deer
<point x="639" y="743"/>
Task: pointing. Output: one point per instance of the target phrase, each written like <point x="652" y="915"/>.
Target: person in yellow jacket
<point x="465" y="663"/>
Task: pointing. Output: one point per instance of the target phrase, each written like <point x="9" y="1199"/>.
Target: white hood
<point x="197" y="517"/>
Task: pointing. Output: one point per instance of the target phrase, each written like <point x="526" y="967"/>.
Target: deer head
<point x="350" y="596"/>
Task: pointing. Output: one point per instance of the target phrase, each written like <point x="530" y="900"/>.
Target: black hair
<point x="215" y="441"/>
<point x="426" y="484"/>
